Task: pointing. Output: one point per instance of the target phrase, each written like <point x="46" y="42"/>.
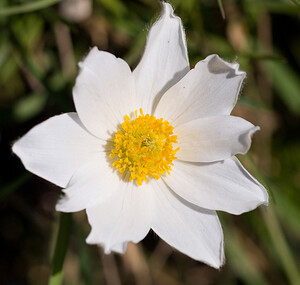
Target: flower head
<point x="150" y="149"/>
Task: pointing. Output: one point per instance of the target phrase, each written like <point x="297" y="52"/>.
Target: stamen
<point x="144" y="147"/>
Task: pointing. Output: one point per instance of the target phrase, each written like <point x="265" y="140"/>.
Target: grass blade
<point x="28" y="7"/>
<point x="276" y="234"/>
<point x="61" y="247"/>
<point x="220" y="3"/>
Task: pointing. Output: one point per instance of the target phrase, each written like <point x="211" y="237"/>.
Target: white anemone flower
<point x="150" y="149"/>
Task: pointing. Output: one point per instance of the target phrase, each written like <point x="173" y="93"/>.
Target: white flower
<point x="81" y="151"/>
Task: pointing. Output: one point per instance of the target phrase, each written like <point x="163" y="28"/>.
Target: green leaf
<point x="286" y="83"/>
<point x="33" y="24"/>
<point x="114" y="6"/>
<point x="29" y="106"/>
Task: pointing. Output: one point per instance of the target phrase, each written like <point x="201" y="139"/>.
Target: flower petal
<point x="192" y="230"/>
<point x="124" y="217"/>
<point x="103" y="93"/>
<point x="55" y="148"/>
<point x="118" y="248"/>
<point x="224" y="185"/>
<point x="214" y="138"/>
<point x="93" y="183"/>
<point x="210" y="89"/>
<point x="164" y="62"/>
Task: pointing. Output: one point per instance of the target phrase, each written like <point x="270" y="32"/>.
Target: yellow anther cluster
<point x="144" y="146"/>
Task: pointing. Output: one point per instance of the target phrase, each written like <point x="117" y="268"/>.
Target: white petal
<point x="93" y="183"/>
<point x="224" y="185"/>
<point x="124" y="217"/>
<point x="103" y="93"/>
<point x="118" y="248"/>
<point x="192" y="230"/>
<point x="56" y="148"/>
<point x="214" y="138"/>
<point x="210" y="89"/>
<point x="164" y="62"/>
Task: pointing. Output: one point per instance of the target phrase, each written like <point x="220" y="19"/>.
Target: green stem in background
<point x="27" y="7"/>
<point x="260" y="176"/>
<point x="296" y="2"/>
<point x="220" y="3"/>
<point x="61" y="247"/>
<point x="281" y="246"/>
<point x="277" y="236"/>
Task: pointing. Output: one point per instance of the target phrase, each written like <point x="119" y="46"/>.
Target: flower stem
<point x="61" y="247"/>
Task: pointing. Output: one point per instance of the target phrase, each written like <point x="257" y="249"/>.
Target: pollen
<point x="144" y="147"/>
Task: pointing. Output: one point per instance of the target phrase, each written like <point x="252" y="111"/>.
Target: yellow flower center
<point x="144" y="147"/>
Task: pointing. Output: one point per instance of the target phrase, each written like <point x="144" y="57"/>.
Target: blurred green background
<point x="40" y="45"/>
